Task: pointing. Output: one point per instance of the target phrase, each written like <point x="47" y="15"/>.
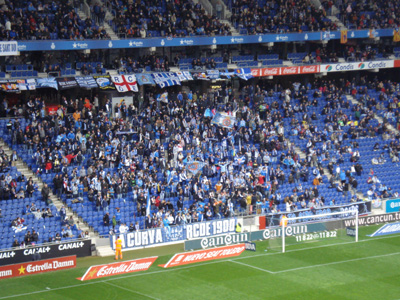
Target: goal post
<point x="327" y="227"/>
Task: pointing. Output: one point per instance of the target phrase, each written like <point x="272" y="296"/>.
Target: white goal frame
<point x="353" y="214"/>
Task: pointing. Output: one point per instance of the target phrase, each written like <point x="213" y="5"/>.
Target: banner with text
<point x="181" y="259"/>
<point x="79" y="248"/>
<point x="392" y="205"/>
<point x="118" y="268"/>
<point x="39" y="266"/>
<point x="160" y="236"/>
<point x="8" y="48"/>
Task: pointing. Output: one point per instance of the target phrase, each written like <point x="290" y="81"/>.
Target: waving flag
<point x="163" y="97"/>
<point x="227" y="74"/>
<point x="143" y="79"/>
<point x="208" y="113"/>
<point x="244" y="73"/>
<point x="125" y="83"/>
<point x="166" y="79"/>
<point x="46" y="83"/>
<point x="87" y="82"/>
<point x="148" y="204"/>
<point x="194" y="166"/>
<point x="223" y="120"/>
<point x="240" y="160"/>
<point x="184" y="76"/>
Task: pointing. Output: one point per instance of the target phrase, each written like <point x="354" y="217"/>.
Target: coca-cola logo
<point x="271" y="71"/>
<point x="309" y="69"/>
<point x="290" y="70"/>
<point x="254" y="72"/>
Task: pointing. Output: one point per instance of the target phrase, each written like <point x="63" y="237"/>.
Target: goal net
<point x="319" y="229"/>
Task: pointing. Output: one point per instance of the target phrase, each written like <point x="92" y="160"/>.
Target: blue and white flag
<point x="208" y="113"/>
<point x="201" y="76"/>
<point x="244" y="73"/>
<point x="223" y="120"/>
<point x="194" y="166"/>
<point x="46" y="83"/>
<point x="163" y="97"/>
<point x="227" y="74"/>
<point x="148" y="205"/>
<point x="143" y="79"/>
<point x="240" y="160"/>
<point x="27" y="84"/>
<point x="184" y="76"/>
<point x="166" y="79"/>
<point x="213" y="74"/>
<point x="87" y="82"/>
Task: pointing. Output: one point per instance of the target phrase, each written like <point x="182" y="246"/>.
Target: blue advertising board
<point x="197" y="40"/>
<point x="387" y="229"/>
<point x="392" y="205"/>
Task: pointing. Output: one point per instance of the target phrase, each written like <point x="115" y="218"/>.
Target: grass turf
<point x="366" y="270"/>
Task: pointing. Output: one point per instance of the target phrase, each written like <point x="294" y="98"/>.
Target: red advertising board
<point x="39" y="266"/>
<point x="204" y="255"/>
<point x="289" y="70"/>
<point x="309" y="69"/>
<point x="285" y="71"/>
<point x="119" y="268"/>
<point x="396" y="64"/>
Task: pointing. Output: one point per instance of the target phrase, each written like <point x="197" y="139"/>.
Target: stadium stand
<point x="164" y="18"/>
<point x="252" y="17"/>
<point x="366" y="15"/>
<point x="29" y="20"/>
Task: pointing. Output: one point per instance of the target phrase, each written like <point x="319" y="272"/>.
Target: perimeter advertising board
<point x="118" y="268"/>
<point x="32" y="253"/>
<point x="40" y="266"/>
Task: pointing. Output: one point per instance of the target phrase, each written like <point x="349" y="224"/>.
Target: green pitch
<point x="369" y="269"/>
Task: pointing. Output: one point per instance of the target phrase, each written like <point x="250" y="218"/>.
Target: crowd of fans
<point x="246" y="166"/>
<point x="22" y="20"/>
<point x="279" y="17"/>
<point x="367" y="15"/>
<point x="44" y="20"/>
<point x="165" y="18"/>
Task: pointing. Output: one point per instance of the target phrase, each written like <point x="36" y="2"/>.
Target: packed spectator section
<point x="37" y="20"/>
<point x="153" y="18"/>
<point x="303" y="147"/>
<point x="369" y="14"/>
<point x="252" y="17"/>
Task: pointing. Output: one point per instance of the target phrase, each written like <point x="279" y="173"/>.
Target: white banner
<point x="358" y="66"/>
<point x="8" y="48"/>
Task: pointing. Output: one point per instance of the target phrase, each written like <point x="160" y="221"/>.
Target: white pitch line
<point x="187" y="267"/>
<point x="134" y="292"/>
<point x="310" y="248"/>
<point x="115" y="278"/>
<point x="336" y="262"/>
<point x="250" y="266"/>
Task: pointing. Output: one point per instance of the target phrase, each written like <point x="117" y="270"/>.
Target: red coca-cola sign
<point x="289" y="70"/>
<point x="270" y="71"/>
<point x="255" y="72"/>
<point x="309" y="69"/>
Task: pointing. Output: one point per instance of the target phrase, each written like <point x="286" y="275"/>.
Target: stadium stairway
<point x="302" y="155"/>
<point x="376" y="116"/>
<point x="25" y="169"/>
<point x="380" y="120"/>
<point x="105" y="250"/>
<point x="107" y="27"/>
